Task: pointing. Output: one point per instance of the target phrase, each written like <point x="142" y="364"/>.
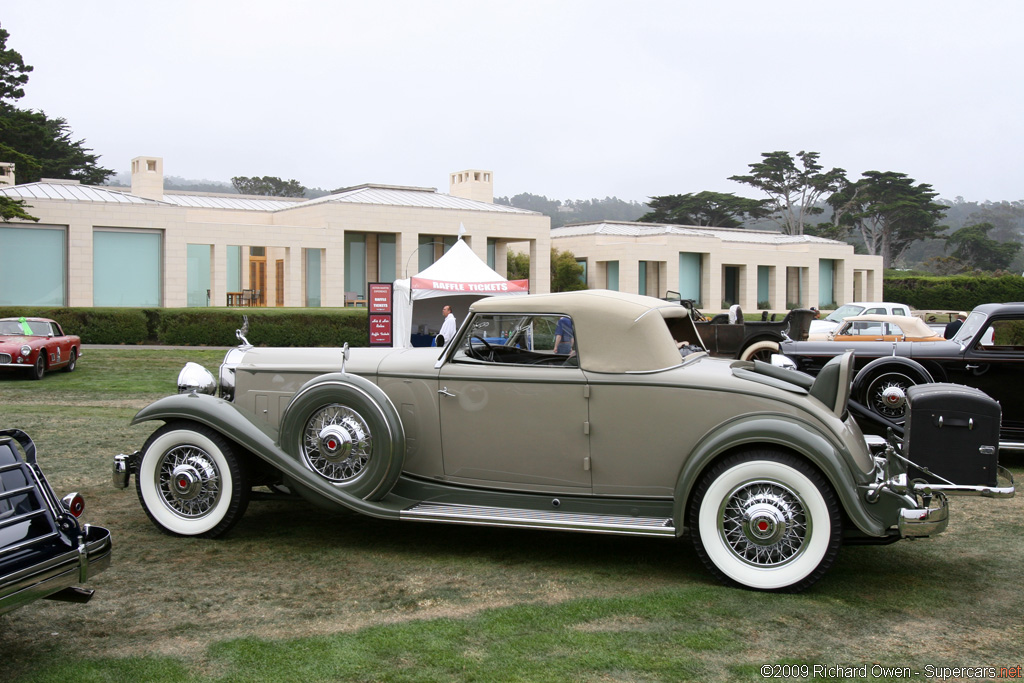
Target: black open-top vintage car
<point x="986" y="353"/>
<point x="44" y="551"/>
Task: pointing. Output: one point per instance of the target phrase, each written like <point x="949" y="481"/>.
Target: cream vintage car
<point x="634" y="429"/>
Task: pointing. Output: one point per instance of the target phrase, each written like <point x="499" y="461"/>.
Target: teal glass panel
<point x="763" y="283"/>
<point x="198" y="275"/>
<point x="582" y="263"/>
<point x="492" y="246"/>
<point x="642" y="278"/>
<point x="613" y="275"/>
<point x="33" y="272"/>
<point x="234" y="269"/>
<point x="355" y="263"/>
<point x="426" y="251"/>
<point x="313" y="278"/>
<point x="826" y="282"/>
<point x="386" y="258"/>
<point x="126" y="268"/>
<point x="690" y="276"/>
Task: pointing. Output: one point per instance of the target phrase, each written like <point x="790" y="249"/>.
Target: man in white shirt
<point x="448" y="327"/>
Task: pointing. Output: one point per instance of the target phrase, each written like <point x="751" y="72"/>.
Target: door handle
<point x="444" y="392"/>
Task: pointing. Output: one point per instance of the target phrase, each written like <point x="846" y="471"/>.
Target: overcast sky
<point x="572" y="100"/>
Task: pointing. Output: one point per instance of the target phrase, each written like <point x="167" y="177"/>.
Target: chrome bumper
<point x="122" y="472"/>
<point x="1004" y="487"/>
<point x="928" y="521"/>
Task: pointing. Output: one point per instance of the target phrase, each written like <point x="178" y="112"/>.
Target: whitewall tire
<point x="190" y="481"/>
<point x="765" y="520"/>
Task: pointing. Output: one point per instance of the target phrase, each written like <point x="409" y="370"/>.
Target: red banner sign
<point x="378" y="319"/>
<point x="503" y="287"/>
<point x="380" y="297"/>
<point x="380" y="329"/>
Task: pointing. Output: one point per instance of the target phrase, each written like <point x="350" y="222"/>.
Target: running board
<point x="538" y="519"/>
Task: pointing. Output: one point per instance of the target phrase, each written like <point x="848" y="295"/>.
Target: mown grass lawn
<point x="295" y="593"/>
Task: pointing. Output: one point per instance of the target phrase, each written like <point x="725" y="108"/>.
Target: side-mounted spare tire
<point x="346" y="430"/>
<point x="881" y="385"/>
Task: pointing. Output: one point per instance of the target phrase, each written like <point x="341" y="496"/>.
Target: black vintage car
<point x="986" y="353"/>
<point x="44" y="551"/>
<point x="728" y="335"/>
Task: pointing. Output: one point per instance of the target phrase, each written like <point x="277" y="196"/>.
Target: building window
<point x="690" y="276"/>
<point x="355" y="265"/>
<point x="386" y="258"/>
<point x="313" y="278"/>
<point x="730" y="285"/>
<point x="198" y="275"/>
<point x="612" y="275"/>
<point x="826" y="283"/>
<point x="126" y="268"/>
<point x="431" y="247"/>
<point x="582" y="263"/>
<point x="234" y="269"/>
<point x="34" y="267"/>
<point x="764" y="286"/>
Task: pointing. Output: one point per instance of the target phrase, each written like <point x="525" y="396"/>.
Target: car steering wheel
<point x="479" y="354"/>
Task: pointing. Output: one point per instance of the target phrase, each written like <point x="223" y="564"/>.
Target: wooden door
<point x="258" y="279"/>
<point x="279" y="282"/>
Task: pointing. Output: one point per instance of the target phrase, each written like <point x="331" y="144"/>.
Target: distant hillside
<point x="577" y="210"/>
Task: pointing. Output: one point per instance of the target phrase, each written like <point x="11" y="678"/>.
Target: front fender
<point x="247" y="430"/>
<point x="791" y="434"/>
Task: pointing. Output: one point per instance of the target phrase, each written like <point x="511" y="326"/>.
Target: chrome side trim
<point x="538" y="519"/>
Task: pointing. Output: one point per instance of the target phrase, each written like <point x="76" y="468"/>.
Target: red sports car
<point x="37" y="345"/>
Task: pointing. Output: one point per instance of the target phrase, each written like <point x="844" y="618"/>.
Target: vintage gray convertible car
<point x="636" y="430"/>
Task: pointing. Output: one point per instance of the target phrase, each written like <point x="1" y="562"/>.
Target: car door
<point x="58" y="346"/>
<point x="513" y="413"/>
<point x="994" y="363"/>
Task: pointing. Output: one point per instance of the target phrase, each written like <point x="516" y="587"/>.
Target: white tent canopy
<point x="460" y="277"/>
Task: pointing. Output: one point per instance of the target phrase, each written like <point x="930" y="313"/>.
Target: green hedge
<point x="955" y="293"/>
<point x="206" y="326"/>
<point x="94" y="325"/>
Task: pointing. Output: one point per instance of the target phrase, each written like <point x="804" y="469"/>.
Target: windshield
<point x="27" y="328"/>
<point x="970" y="327"/>
<point x="846" y="311"/>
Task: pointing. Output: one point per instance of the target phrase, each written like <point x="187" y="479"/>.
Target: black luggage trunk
<point x="953" y="430"/>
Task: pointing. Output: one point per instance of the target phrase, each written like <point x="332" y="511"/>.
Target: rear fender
<point x="249" y="431"/>
<point x="786" y="433"/>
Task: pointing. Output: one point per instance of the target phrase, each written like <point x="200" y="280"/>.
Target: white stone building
<point x="718" y="267"/>
<point x="147" y="246"/>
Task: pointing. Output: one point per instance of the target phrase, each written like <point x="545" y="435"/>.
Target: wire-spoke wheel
<point x="190" y="481"/>
<point x="765" y="520"/>
<point x="345" y="430"/>
<point x="886" y="395"/>
<point x="39" y="368"/>
<point x="762" y="351"/>
<point x="72" y="361"/>
<point x="337" y="443"/>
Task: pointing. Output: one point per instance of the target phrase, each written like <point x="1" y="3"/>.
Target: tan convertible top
<point x="911" y="326"/>
<point x="615" y="331"/>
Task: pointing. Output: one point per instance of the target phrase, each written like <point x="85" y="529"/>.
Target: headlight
<point x="26" y="349"/>
<point x="227" y="372"/>
<point x="194" y="377"/>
